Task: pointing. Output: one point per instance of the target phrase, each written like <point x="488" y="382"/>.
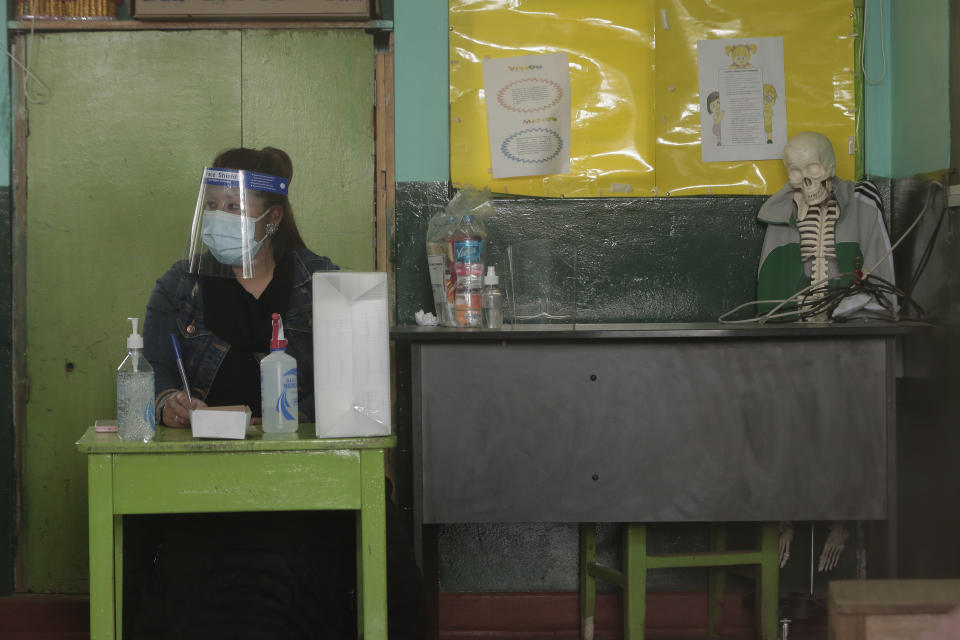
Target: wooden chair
<point x="632" y="578"/>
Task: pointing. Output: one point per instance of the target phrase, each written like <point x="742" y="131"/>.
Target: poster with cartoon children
<point x="743" y="113"/>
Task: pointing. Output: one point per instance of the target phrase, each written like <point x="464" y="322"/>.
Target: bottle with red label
<point x="278" y="385"/>
<point x="468" y="242"/>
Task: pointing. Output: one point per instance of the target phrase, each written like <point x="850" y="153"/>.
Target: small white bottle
<point x="278" y="385"/>
<point x="492" y="300"/>
<point x="135" y="393"/>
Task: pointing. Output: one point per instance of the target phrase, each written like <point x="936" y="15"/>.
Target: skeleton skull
<point x="810" y="166"/>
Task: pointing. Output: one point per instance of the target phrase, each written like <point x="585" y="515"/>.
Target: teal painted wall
<point x="877" y="110"/>
<point x="920" y="67"/>
<point x="422" y="140"/>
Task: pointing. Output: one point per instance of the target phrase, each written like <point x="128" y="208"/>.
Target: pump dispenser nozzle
<point x="134" y="340"/>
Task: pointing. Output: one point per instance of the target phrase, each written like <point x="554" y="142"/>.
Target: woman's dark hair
<point x="277" y="163"/>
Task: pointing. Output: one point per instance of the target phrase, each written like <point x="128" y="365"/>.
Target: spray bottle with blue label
<point x="278" y="385"/>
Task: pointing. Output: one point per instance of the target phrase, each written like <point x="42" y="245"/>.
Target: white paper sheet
<point x="351" y="354"/>
<point x="231" y="422"/>
<point x="743" y="114"/>
<point x="528" y="114"/>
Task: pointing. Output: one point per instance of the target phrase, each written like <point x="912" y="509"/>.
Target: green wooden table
<point x="179" y="474"/>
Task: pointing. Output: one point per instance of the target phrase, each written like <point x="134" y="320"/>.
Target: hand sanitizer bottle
<point x="135" y="393"/>
<point x="278" y="385"/>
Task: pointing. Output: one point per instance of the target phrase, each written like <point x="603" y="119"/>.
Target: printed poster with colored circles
<point x="528" y="114"/>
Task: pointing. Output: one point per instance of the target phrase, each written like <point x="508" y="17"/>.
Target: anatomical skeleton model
<point x="811" y="167"/>
<point x="822" y="230"/>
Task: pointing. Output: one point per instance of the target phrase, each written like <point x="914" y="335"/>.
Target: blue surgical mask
<point x="223" y="233"/>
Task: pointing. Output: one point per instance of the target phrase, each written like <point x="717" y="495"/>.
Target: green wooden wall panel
<point x="7" y="442"/>
<point x="113" y="163"/>
<point x="322" y="82"/>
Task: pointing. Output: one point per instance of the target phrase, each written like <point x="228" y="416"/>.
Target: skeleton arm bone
<point x="786" y="537"/>
<point x="833" y="547"/>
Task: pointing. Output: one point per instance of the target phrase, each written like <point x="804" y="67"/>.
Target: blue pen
<point x="183" y="374"/>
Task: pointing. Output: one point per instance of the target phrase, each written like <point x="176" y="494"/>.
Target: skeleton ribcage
<point x="818" y="239"/>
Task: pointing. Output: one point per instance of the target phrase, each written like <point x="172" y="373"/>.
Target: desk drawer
<point x="195" y="482"/>
<point x="654" y="431"/>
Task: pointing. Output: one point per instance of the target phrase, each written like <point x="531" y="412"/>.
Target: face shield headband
<point x="228" y="228"/>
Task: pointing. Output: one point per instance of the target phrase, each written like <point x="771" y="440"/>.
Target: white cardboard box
<point x="220" y="422"/>
<point x="351" y="354"/>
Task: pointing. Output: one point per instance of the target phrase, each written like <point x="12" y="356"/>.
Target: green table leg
<point x="769" y="579"/>
<point x="634" y="581"/>
<point x="718" y="542"/>
<point x="118" y="575"/>
<point x="588" y="584"/>
<point x="103" y="616"/>
<point x="372" y="548"/>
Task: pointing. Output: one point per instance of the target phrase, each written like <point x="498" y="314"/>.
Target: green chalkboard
<point x="633" y="260"/>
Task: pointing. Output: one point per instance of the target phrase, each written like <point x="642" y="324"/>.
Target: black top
<point x="236" y="316"/>
<point x="256" y="576"/>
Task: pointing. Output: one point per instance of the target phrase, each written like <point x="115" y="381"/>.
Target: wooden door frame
<point x="18" y="265"/>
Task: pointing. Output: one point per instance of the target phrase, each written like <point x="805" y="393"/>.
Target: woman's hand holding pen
<point x="176" y="410"/>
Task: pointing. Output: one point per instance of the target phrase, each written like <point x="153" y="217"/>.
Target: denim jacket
<point x="176" y="306"/>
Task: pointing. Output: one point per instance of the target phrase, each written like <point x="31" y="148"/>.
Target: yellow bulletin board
<point x="609" y="46"/>
<point x="635" y="102"/>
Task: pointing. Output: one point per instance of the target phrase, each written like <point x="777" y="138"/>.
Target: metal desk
<point x="654" y="423"/>
<point x="178" y="474"/>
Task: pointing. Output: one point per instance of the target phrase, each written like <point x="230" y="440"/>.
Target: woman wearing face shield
<point x="246" y="260"/>
<point x="268" y="575"/>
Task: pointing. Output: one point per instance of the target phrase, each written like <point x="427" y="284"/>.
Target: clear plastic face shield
<point x="233" y="222"/>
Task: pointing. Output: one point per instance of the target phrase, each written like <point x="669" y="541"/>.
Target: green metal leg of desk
<point x="635" y="581"/>
<point x="717" y="578"/>
<point x="104" y="612"/>
<point x="372" y="548"/>
<point x="636" y="562"/>
<point x="588" y="584"/>
<point x="768" y="584"/>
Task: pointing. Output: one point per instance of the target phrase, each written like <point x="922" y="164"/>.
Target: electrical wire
<point x="928" y="250"/>
<point x="44" y="94"/>
<point x="916" y="221"/>
<point x="863" y="40"/>
<point x="822" y="297"/>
